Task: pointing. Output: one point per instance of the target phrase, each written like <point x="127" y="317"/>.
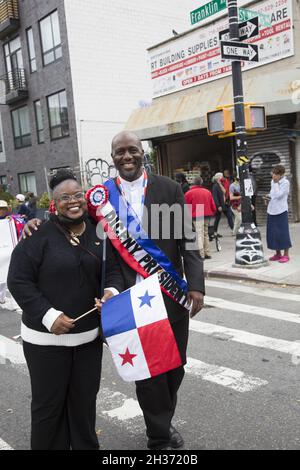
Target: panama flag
<point x="138" y="332"/>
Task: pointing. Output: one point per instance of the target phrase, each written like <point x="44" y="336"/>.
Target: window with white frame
<point x="21" y="127"/>
<point x="13" y="55"/>
<point x="58" y="115"/>
<point x="50" y="38"/>
<point x="27" y="183"/>
<point x="39" y="121"/>
<point x="31" y="50"/>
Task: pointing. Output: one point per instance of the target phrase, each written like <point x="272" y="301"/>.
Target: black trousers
<point x="157" y="396"/>
<point x="64" y="382"/>
<point x="228" y="213"/>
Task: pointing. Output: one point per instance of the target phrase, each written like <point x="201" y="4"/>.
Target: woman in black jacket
<point x="218" y="192"/>
<point x="55" y="276"/>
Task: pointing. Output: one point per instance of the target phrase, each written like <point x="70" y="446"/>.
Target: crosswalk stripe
<point x="234" y="379"/>
<point x="251" y="339"/>
<point x="117" y="405"/>
<point x="253" y="290"/>
<point x="4" y="445"/>
<point x="11" y="350"/>
<point x="253" y="310"/>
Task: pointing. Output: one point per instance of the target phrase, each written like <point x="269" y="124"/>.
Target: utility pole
<point x="249" y="248"/>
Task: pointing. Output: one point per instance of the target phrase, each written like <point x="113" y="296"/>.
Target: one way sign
<point x="248" y="29"/>
<point x="239" y="51"/>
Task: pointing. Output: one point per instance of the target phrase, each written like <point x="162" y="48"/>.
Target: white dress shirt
<point x="134" y="191"/>
<point x="279" y="196"/>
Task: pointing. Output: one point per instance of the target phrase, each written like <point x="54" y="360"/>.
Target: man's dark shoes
<point x="176" y="439"/>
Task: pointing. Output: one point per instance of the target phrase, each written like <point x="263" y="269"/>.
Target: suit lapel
<point x="149" y="199"/>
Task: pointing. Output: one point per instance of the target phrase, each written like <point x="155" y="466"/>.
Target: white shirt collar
<point x="136" y="183"/>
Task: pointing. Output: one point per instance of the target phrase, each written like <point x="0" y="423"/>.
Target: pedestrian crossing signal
<point x="255" y="118"/>
<point x="219" y="121"/>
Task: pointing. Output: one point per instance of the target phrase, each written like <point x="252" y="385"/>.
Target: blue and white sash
<point x="133" y="244"/>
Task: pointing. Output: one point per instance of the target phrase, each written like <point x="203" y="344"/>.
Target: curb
<point x="244" y="277"/>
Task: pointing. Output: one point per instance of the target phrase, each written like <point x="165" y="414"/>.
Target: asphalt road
<point x="242" y="383"/>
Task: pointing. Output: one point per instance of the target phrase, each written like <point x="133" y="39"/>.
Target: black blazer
<point x="163" y="190"/>
<point x="218" y="195"/>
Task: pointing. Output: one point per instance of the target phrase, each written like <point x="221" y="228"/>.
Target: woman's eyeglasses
<point x="69" y="197"/>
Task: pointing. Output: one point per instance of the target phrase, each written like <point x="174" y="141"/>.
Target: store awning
<point x="185" y="112"/>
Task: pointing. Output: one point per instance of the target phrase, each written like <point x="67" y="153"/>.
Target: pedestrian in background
<point x="22" y="209"/>
<point x="31" y="204"/>
<point x="5" y="213"/>
<point x="181" y="179"/>
<point x="235" y="201"/>
<point x="226" y="182"/>
<point x="278" y="236"/>
<point x="219" y="194"/>
<point x="202" y="207"/>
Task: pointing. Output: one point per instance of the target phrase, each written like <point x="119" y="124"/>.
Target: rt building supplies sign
<point x="196" y="57"/>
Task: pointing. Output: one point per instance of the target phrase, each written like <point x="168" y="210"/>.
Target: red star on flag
<point x="127" y="357"/>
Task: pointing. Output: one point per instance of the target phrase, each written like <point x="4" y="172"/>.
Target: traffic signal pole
<point x="249" y="248"/>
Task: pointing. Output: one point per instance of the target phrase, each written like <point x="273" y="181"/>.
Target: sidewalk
<point x="221" y="264"/>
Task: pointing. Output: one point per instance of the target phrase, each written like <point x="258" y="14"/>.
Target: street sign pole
<point x="248" y="249"/>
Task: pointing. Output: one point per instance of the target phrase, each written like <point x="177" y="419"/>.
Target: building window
<point x="39" y="121"/>
<point x="50" y="38"/>
<point x="13" y="55"/>
<point x="21" y="127"/>
<point x="58" y="115"/>
<point x="27" y="183"/>
<point x="3" y="183"/>
<point x="31" y="50"/>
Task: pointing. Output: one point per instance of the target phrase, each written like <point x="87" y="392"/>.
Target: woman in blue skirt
<point x="278" y="236"/>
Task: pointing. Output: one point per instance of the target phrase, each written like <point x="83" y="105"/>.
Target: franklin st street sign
<point x="207" y="10"/>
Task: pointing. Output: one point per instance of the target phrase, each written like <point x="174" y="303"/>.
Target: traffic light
<point x="219" y="121"/>
<point x="255" y="118"/>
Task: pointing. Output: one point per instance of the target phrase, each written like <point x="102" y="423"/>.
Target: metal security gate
<point x="267" y="149"/>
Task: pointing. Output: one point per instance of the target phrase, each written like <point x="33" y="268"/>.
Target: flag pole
<point x="84" y="314"/>
<point x="103" y="268"/>
<point x="102" y="284"/>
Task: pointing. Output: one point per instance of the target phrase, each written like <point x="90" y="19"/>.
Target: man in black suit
<point x="157" y="396"/>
